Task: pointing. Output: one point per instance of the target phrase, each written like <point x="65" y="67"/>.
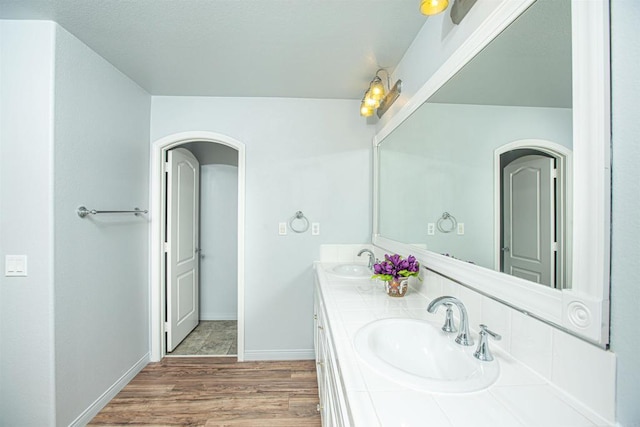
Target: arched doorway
<point x="157" y="221"/>
<point x="533" y="181"/>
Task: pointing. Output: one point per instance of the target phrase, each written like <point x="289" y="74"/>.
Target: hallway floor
<point x="210" y="338"/>
<point x="217" y="392"/>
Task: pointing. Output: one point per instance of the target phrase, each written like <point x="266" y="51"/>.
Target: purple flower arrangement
<point x="394" y="267"/>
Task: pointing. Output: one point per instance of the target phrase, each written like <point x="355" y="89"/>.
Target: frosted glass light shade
<point x="376" y="89"/>
<point x="365" y="111"/>
<point x="370" y="101"/>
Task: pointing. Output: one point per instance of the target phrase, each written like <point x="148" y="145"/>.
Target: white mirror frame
<point x="582" y="310"/>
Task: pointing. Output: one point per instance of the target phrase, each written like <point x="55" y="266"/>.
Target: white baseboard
<point x="254" y="355"/>
<point x="218" y="316"/>
<point x="93" y="409"/>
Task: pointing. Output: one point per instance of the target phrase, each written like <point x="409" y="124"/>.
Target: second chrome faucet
<point x="372" y="257"/>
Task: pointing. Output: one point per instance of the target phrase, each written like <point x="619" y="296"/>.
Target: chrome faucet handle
<point x="449" y="326"/>
<point x="482" y="352"/>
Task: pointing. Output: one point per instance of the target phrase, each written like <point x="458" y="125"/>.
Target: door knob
<point x="505" y="249"/>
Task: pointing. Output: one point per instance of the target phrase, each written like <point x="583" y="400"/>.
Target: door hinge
<point x="165" y="167"/>
<point x="165" y="246"/>
<point x="166" y="326"/>
<point x="554" y="173"/>
<point x="554" y="246"/>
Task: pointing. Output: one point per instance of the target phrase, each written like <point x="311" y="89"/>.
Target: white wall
<point x="625" y="232"/>
<point x="443" y="157"/>
<point x="26" y="222"/>
<point x="101" y="263"/>
<point x="218" y="242"/>
<point x="308" y="155"/>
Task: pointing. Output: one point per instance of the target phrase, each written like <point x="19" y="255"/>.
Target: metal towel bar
<point x="82" y="212"/>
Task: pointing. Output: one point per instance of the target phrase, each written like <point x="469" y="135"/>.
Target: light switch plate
<point x="461" y="228"/>
<point x="15" y="265"/>
<point x="282" y="228"/>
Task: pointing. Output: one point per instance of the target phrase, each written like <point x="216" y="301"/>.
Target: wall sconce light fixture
<point x="377" y="98"/>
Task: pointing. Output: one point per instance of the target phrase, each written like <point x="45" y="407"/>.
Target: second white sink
<point x="353" y="271"/>
<point x="419" y="355"/>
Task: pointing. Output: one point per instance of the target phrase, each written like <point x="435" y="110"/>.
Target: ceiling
<point x="528" y="64"/>
<point x="261" y="48"/>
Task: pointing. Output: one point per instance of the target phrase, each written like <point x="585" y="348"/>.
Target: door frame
<point x="157" y="201"/>
<point x="564" y="165"/>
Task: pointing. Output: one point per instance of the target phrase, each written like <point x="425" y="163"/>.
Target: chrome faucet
<point x="463" y="338"/>
<point x="372" y="257"/>
<point x="482" y="352"/>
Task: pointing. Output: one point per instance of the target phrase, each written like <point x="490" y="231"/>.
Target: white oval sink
<point x="355" y="271"/>
<point x="419" y="355"/>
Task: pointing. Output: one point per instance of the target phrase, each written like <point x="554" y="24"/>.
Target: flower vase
<point x="397" y="287"/>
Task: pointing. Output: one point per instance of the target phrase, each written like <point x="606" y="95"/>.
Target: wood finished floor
<point x="217" y="392"/>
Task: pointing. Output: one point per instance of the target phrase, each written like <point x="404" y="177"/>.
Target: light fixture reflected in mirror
<point x="433" y="7"/>
<point x="459" y="9"/>
<point x="377" y="98"/>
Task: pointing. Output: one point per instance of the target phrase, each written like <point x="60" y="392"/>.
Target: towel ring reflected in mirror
<point x="447" y="223"/>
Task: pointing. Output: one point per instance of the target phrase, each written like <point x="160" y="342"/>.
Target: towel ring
<point x="443" y="226"/>
<point x="305" y="222"/>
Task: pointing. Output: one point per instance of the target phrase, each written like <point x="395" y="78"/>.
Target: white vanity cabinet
<point x="333" y="403"/>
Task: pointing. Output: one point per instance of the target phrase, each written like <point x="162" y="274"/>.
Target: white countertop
<point x="520" y="397"/>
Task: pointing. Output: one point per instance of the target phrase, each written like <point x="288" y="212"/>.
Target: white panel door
<point x="529" y="219"/>
<point x="183" y="194"/>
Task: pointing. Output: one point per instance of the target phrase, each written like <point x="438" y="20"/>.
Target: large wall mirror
<point x="484" y="171"/>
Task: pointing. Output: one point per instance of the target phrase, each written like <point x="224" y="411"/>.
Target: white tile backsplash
<point x="513" y="372"/>
<point x="450" y="288"/>
<point x="329" y="253"/>
<point x="586" y="372"/>
<point x="531" y="343"/>
<point x="497" y="317"/>
<point x="431" y="286"/>
<point x="473" y="303"/>
<point x="539" y="405"/>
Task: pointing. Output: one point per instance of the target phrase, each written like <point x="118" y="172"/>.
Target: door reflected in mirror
<point x="482" y="170"/>
<point x="531" y="179"/>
